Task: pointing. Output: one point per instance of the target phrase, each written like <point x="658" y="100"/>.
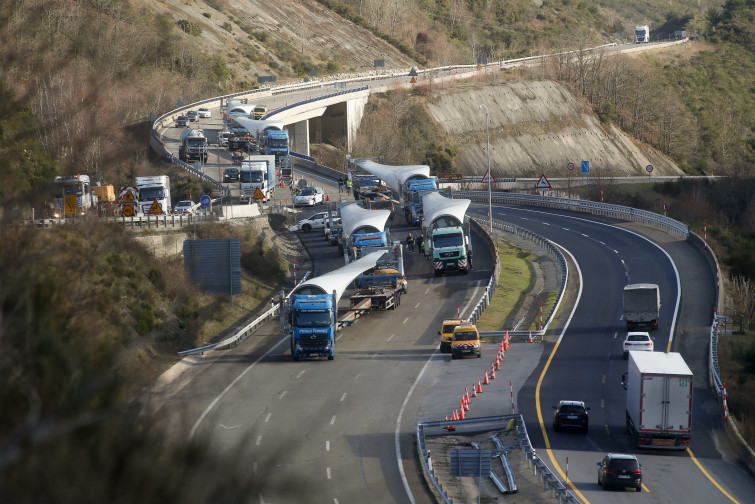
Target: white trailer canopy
<point x="435" y="206"/>
<point x="354" y="217"/>
<point x="340" y="279"/>
<point x="394" y="176"/>
<point x="255" y="125"/>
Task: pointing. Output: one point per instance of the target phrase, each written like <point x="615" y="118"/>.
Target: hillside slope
<point x="537" y="127"/>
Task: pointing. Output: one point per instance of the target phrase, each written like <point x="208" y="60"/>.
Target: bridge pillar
<point x="298" y="134"/>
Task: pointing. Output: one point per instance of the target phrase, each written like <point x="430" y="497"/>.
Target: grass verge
<point x="736" y="359"/>
<point x="517" y="278"/>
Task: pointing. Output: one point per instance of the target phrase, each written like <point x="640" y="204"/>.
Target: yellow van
<point x="466" y="341"/>
<point x="259" y="111"/>
<point x="446" y="334"/>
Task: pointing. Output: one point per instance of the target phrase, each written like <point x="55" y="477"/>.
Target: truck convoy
<point x="271" y="137"/>
<point x="384" y="284"/>
<point x="257" y="176"/>
<point x="362" y="230"/>
<point x="642" y="306"/>
<point x="412" y="191"/>
<point x="641" y="34"/>
<point x="193" y="146"/>
<point x="312" y="309"/>
<point x="659" y="400"/>
<point x="445" y="237"/>
<point x="154" y="194"/>
<point x="73" y="196"/>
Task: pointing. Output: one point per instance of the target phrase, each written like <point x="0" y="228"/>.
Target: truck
<point x="273" y="142"/>
<point x="73" y="196"/>
<point x="193" y="146"/>
<point x="659" y="400"/>
<point x="446" y="237"/>
<point x="286" y="165"/>
<point x="312" y="310"/>
<point x="257" y="173"/>
<point x="641" y="34"/>
<point x="259" y="111"/>
<point x="412" y="191"/>
<point x="154" y="194"/>
<point x="362" y="229"/>
<point x="642" y="306"/>
<point x="383" y="284"/>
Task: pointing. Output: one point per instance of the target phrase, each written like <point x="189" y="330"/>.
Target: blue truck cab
<point x="313" y="326"/>
<point x="412" y="192"/>
<point x="362" y="242"/>
<point x="274" y="142"/>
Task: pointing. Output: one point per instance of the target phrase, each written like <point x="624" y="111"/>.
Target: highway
<point x="342" y="430"/>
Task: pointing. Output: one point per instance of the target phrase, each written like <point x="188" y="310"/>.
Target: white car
<point x="185" y="207"/>
<point x="204" y="113"/>
<point x="312" y="222"/>
<point x="637" y="341"/>
<point x="193" y="115"/>
<point x="310" y="196"/>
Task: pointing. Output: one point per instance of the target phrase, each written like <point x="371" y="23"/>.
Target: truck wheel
<point x="437" y="272"/>
<point x="638" y="489"/>
<point x="330" y="357"/>
<point x="306" y="228"/>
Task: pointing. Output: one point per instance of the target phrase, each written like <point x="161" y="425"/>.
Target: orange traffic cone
<point x="466" y="395"/>
<point x="464" y="406"/>
<point x="462" y="416"/>
<point x="455" y="416"/>
<point x="492" y="374"/>
<point x="327" y="197"/>
<point x="479" y="387"/>
<point x="529" y="339"/>
<point x="474" y="390"/>
<point x="498" y="363"/>
<point x="449" y="428"/>
<point x="485" y="380"/>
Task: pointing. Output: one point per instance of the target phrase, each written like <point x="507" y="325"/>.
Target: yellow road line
<point x="707" y="475"/>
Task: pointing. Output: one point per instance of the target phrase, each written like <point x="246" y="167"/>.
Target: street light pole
<point x="490" y="175"/>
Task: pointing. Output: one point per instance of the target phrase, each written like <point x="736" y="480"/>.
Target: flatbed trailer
<point x="381" y="297"/>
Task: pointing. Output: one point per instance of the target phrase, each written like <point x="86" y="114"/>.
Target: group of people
<point x="344" y="184"/>
<point x="419" y="242"/>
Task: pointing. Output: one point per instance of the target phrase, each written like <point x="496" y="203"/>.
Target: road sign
<point x="155" y="209"/>
<point x="413" y="80"/>
<point x="258" y="194"/>
<point x="205" y="200"/>
<point x="543" y="184"/>
<point x="486" y="177"/>
<point x="449" y="177"/>
<point x="649" y="168"/>
<point x="585" y="167"/>
<point x="128" y="198"/>
<point x="128" y="210"/>
<point x="570" y="166"/>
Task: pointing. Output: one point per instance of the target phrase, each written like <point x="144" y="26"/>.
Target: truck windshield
<point x="196" y="142"/>
<point x="312" y="319"/>
<point x="453" y="240"/>
<point x="277" y="142"/>
<point x="72" y="189"/>
<point x="252" y="177"/>
<point x="465" y="336"/>
<point x="151" y="193"/>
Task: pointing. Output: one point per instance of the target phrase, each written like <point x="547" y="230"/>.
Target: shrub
<point x="189" y="27"/>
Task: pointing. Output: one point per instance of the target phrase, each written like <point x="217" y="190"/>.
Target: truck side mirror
<point x="624" y="381"/>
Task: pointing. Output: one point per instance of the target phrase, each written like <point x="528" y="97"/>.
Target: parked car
<point x="204" y="113"/>
<point x="638" y="341"/>
<point x="231" y="175"/>
<point x="570" y="414"/>
<point x="182" y="121"/>
<point x="185" y="207"/>
<point x="309" y="196"/>
<point x="620" y="470"/>
<point x="193" y="115"/>
<point x="312" y="222"/>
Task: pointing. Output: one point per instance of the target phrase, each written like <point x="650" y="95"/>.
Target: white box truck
<point x="642" y="306"/>
<point x="257" y="176"/>
<point x="154" y="195"/>
<point x="659" y="400"/>
<point x="641" y="34"/>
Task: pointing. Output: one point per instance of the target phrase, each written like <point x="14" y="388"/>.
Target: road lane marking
<point x="616" y="251"/>
<point x="603" y="380"/>
<point x="300" y="373"/>
<point x="327" y="445"/>
<point x="339" y="336"/>
<point x="427" y="290"/>
<point x="267" y="418"/>
<point x="405" y="321"/>
<point x="471" y="298"/>
<point x="586" y="236"/>
<point x="417" y="305"/>
<point x="259" y="440"/>
<point x="328" y="471"/>
<point x="282" y="394"/>
<point x="333" y="420"/>
<point x="707" y="475"/>
<point x="228" y="428"/>
<point x="230" y="386"/>
<point x="343" y="396"/>
<point x="391" y="337"/>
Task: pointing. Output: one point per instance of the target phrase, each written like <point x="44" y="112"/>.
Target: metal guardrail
<point x="311" y="100"/>
<point x="245" y="331"/>
<point x="538" y="466"/>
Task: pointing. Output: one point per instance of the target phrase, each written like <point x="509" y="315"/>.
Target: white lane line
<point x="267" y="418"/>
<point x="333" y="420"/>
<point x="391" y="337"/>
<point x="282" y="394"/>
<point x="622" y="262"/>
<point x="417" y="305"/>
<point x="335" y="501"/>
<point x="327" y="445"/>
<point x="300" y="373"/>
<point x="566" y="229"/>
<point x="545" y="224"/>
<point x="586" y="236"/>
<point x="328" y="471"/>
<point x="471" y="298"/>
<point x="339" y="336"/>
<point x="405" y="320"/>
<point x="343" y="396"/>
<point x="230" y="386"/>
<point x="427" y="290"/>
<point x="259" y="440"/>
<point x="615" y="251"/>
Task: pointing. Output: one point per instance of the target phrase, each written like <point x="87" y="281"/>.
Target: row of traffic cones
<point x="460" y="414"/>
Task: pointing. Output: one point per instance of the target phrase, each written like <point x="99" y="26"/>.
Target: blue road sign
<point x="205" y="200"/>
<point x="585" y="167"/>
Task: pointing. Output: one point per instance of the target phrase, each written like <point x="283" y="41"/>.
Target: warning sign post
<point x="543" y="184"/>
<point x="155" y="209"/>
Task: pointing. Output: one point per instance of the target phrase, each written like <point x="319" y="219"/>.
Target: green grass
<point x="516" y="279"/>
<point x="736" y="359"/>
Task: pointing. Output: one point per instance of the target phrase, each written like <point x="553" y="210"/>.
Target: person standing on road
<point x="340" y="184"/>
<point x="348" y="185"/>
<point x="410" y="243"/>
<point x="421" y="241"/>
